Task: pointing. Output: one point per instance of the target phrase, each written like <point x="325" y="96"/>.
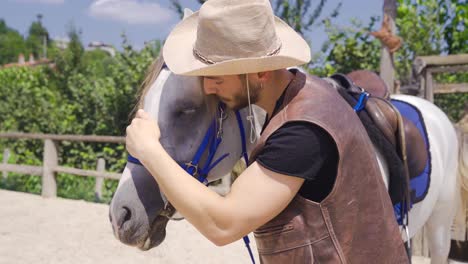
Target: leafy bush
<point x="92" y="94"/>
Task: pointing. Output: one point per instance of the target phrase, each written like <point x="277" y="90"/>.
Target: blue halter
<point x="213" y="137"/>
<point x="211" y="141"/>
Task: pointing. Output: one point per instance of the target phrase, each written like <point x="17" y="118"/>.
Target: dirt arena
<point x="35" y="230"/>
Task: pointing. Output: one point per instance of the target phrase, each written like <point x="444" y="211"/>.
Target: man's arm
<point x="257" y="196"/>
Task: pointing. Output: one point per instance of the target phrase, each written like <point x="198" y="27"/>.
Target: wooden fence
<point x="426" y="66"/>
<point x="50" y="166"/>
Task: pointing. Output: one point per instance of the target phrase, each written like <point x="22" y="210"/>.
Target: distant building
<point x="30" y="63"/>
<point x="61" y="42"/>
<point x="101" y="46"/>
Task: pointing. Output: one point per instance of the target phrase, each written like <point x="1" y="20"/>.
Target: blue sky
<point x="141" y="20"/>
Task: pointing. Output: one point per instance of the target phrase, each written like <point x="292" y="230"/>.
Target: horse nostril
<point x="127" y="215"/>
<point x="124" y="215"/>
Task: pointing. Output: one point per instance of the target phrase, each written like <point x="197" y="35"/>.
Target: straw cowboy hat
<point x="233" y="37"/>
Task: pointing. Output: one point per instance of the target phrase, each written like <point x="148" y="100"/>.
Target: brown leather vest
<point x="355" y="222"/>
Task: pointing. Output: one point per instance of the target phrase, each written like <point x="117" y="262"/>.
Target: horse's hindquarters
<point x="437" y="210"/>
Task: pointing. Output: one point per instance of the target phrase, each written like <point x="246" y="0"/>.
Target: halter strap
<point x="133" y="160"/>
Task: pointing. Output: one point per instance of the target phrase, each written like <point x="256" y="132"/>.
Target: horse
<point x="139" y="212"/>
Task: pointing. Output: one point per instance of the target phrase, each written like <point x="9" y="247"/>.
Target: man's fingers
<point x="142" y="114"/>
<point x="139" y="113"/>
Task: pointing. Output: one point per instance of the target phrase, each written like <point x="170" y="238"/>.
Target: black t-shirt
<point x="305" y="150"/>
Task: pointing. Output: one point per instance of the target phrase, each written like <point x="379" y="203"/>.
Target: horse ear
<point x="187" y="12"/>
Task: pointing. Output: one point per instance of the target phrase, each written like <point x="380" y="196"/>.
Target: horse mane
<point x="151" y="75"/>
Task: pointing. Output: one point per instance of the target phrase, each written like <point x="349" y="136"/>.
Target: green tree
<point x="3" y="27"/>
<point x="299" y="15"/>
<point x="82" y="100"/>
<point x="347" y="49"/>
<point x="419" y="24"/>
<point x="37" y="37"/>
<point x="68" y="61"/>
<point x="11" y="44"/>
<point x="75" y="47"/>
<point x="431" y="27"/>
<point x="100" y="60"/>
<point x="455" y="12"/>
<point x="434" y="27"/>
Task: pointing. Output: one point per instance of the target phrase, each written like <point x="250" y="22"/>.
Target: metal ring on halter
<point x="169" y="211"/>
<point x="191" y="165"/>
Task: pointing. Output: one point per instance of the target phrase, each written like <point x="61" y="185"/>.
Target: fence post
<point x="49" y="184"/>
<point x="101" y="167"/>
<point x="429" y="92"/>
<point x="6" y="157"/>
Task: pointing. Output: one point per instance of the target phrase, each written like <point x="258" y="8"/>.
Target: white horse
<point x="138" y="210"/>
<point x="183" y="114"/>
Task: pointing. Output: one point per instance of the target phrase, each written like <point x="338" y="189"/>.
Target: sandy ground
<point x="46" y="231"/>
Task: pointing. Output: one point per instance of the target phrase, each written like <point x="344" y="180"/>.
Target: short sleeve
<point x="299" y="149"/>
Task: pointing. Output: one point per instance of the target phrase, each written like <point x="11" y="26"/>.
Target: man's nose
<point x="209" y="88"/>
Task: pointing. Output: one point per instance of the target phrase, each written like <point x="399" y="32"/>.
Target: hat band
<point x="205" y="60"/>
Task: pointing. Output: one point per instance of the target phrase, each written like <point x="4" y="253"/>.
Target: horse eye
<point x="189" y="111"/>
<point x="186" y="111"/>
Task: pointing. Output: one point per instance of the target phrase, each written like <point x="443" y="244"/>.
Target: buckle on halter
<point x="169" y="211"/>
<point x="191" y="165"/>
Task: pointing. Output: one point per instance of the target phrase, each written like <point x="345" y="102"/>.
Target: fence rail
<point x="426" y="66"/>
<point x="81" y="138"/>
<point x="50" y="166"/>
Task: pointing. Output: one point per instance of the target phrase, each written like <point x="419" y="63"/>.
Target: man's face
<point x="232" y="90"/>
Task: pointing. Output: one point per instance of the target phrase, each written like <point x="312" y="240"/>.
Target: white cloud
<point x="130" y="11"/>
<point x="42" y="1"/>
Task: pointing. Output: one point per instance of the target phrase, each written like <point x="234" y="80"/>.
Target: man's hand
<point x="142" y="136"/>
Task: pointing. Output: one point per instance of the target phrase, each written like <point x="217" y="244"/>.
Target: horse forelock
<point x="156" y="80"/>
<point x="151" y="76"/>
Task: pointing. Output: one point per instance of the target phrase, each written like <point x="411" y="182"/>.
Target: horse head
<point x="138" y="211"/>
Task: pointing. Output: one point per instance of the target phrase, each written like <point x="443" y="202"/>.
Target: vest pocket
<point x="272" y="230"/>
<point x="298" y="255"/>
<point x="286" y="244"/>
<point x="272" y="238"/>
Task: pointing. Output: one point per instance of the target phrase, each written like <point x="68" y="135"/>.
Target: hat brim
<point x="179" y="57"/>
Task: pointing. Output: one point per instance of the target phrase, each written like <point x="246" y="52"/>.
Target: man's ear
<point x="264" y="76"/>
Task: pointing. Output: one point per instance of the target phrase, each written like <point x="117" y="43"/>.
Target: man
<point x="313" y="192"/>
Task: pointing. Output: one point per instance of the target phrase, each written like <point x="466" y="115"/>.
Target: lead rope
<point x="246" y="159"/>
<point x="253" y="137"/>
<point x="250" y="116"/>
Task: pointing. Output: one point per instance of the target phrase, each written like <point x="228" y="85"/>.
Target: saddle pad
<point x="419" y="185"/>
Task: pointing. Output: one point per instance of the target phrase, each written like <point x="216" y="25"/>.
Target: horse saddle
<point x="403" y="135"/>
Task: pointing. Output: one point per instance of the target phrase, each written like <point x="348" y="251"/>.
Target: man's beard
<point x="241" y="100"/>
